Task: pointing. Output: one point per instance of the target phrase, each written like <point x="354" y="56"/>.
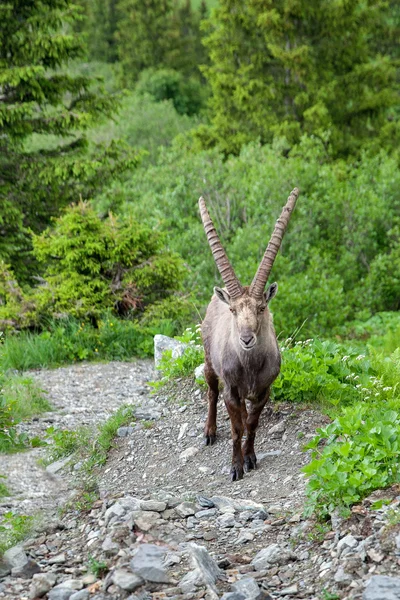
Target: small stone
<point x="210" y="535"/>
<point x="248" y="587"/>
<point x="81" y="595"/>
<point x="145" y="519"/>
<point x="186" y="509"/>
<point x="348" y="541"/>
<point x="203" y="561"/>
<point x="41" y="584"/>
<point x="15" y="557"/>
<point x="226" y="520"/>
<point x="153" y="505"/>
<point x="199" y="372"/>
<point x="342" y="578"/>
<point x="109" y="547"/>
<point x="27" y="570"/>
<point x="244" y="537"/>
<point x="381" y="587"/>
<point x="189" y="453"/>
<point x="126" y="580"/>
<point x="278" y="428"/>
<point x="206" y="513"/>
<point x="125" y="431"/>
<point x="182" y="431"/>
<point x="191" y="581"/>
<point x="71" y="584"/>
<point x="290" y="591"/>
<point x="148" y="563"/>
<point x="233" y="596"/>
<point x="89" y="579"/>
<point x="61" y="593"/>
<point x="275" y="509"/>
<point x="271" y="555"/>
<point x="116" y="510"/>
<point x="375" y="556"/>
<point x="58" y="559"/>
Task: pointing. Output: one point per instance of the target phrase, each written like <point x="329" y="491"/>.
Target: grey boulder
<point x="148" y="563"/>
<point x="381" y="587"/>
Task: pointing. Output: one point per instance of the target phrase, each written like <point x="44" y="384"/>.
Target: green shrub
<point x="187" y="95"/>
<point x="362" y="449"/>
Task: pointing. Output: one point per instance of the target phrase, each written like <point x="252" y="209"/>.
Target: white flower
<point x="360" y="356"/>
<point x="345" y="358"/>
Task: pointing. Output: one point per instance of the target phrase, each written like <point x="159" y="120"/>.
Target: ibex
<point x="240" y="343"/>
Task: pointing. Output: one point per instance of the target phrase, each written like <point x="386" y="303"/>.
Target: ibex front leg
<point x="232" y="403"/>
<point x="253" y="416"/>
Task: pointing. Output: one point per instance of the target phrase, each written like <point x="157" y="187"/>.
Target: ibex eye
<point x="233" y="310"/>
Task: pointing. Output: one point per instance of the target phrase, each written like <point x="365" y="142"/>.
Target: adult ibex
<point x="240" y="343"/>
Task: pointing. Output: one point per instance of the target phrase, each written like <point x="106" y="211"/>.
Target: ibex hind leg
<point x="253" y="416"/>
<point x="210" y="430"/>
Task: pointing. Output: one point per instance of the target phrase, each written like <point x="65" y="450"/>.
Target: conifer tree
<point x="38" y="96"/>
<point x="284" y="68"/>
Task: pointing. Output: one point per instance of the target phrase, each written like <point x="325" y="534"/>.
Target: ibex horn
<point x="221" y="260"/>
<point x="261" y="277"/>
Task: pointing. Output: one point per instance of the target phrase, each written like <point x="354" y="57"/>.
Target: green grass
<point x="20" y="399"/>
<point x="69" y="341"/>
<point x="13" y="529"/>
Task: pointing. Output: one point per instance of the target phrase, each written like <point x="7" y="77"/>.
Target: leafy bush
<point x="343" y="221"/>
<point x="13" y="529"/>
<point x="362" y="450"/>
<point x="186" y="94"/>
<point x="93" y="265"/>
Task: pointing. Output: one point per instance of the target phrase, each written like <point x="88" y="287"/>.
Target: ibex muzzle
<point x="240" y="343"/>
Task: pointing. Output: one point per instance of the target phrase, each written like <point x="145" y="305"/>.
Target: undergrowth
<point x="20" y="399"/>
<point x="13" y="529"/>
<point x="70" y="340"/>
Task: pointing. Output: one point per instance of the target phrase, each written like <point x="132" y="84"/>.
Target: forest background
<point x="116" y="115"/>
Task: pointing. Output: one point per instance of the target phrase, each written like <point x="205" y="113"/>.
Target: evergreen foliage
<point x="284" y="68"/>
<point x="39" y="97"/>
<point x="158" y="34"/>
<point x="92" y="265"/>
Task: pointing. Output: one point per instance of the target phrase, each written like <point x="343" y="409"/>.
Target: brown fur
<point x="240" y="350"/>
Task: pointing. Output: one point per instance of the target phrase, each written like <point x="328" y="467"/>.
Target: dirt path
<point x="169" y="523"/>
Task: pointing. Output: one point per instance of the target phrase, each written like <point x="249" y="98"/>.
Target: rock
<point x="233" y="596"/>
<point x="227" y="520"/>
<point x="342" y="578"/>
<point x="375" y="555"/>
<point x="163" y="343"/>
<point x="349" y="541"/>
<point x="148" y="563"/>
<point x="5" y="568"/>
<point x="380" y="587"/>
<point x="191" y="581"/>
<point x="116" y="510"/>
<point x="248" y="587"/>
<point x="292" y="590"/>
<point x="125" y="431"/>
<point x="128" y="503"/>
<point x="278" y="428"/>
<point x="15" y="557"/>
<point x="58" y="559"/>
<point x="199" y="372"/>
<point x="27" y="570"/>
<point x="109" y="547"/>
<point x="188" y="453"/>
<point x="153" y="505"/>
<point x="205" y="502"/>
<point x="61" y="593"/>
<point x="236" y="503"/>
<point x="147" y="413"/>
<point x="126" y="580"/>
<point x="207" y="513"/>
<point x="41" y="584"/>
<point x="145" y="519"/>
<point x="272" y="555"/>
<point x="182" y="431"/>
<point x="206" y="565"/>
<point x="244" y="537"/>
<point x="186" y="509"/>
<point x="56" y="466"/>
<point x="71" y="584"/>
<point x="81" y="595"/>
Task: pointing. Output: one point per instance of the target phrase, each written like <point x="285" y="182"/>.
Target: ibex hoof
<point x="209" y="440"/>
<point x="236" y="473"/>
<point x="250" y="462"/>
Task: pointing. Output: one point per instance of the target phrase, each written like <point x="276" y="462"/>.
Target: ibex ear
<point x="222" y="295"/>
<point x="271" y="292"/>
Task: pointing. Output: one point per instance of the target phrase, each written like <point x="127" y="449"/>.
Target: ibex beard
<point x="240" y="344"/>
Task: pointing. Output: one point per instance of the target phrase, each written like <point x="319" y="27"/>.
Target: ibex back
<point x="240" y="344"/>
